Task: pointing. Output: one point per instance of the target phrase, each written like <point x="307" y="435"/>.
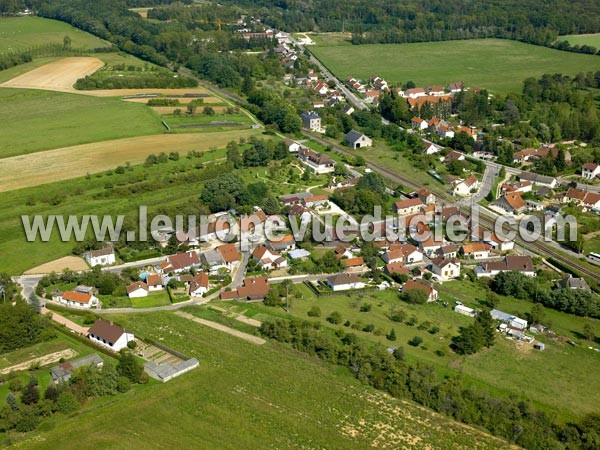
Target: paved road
<point x="492" y="170"/>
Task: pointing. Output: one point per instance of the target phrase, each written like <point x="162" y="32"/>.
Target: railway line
<point x="485" y="221"/>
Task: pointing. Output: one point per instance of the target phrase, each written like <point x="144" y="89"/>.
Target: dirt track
<point x="56" y="76"/>
<point x="42" y="360"/>
<point x="72" y="162"/>
<point x="217" y="326"/>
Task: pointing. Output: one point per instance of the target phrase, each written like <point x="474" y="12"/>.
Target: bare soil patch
<point x="42" y="361"/>
<point x="58" y="265"/>
<point x="56" y="76"/>
<point x="77" y="161"/>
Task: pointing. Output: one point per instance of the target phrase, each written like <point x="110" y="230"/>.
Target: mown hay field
<point x="494" y="64"/>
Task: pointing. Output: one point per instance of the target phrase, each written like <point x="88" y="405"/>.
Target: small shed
<point x="539" y="346"/>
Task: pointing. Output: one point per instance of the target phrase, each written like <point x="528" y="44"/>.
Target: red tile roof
<point x="78" y="297"/>
<point x="229" y="253"/>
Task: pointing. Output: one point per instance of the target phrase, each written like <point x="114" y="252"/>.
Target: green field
<point x="582" y="39"/>
<point x="32" y="120"/>
<point x="493" y="64"/>
<point x="551" y="379"/>
<point x="154" y="299"/>
<point x="22" y="33"/>
<point x="249" y="396"/>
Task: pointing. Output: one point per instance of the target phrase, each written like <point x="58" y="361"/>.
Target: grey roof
<point x="574" y="283"/>
<point x="164" y="372"/>
<point x="353" y="136"/>
<point x="343" y="278"/>
<point x="536" y="178"/>
<point x="310" y="115"/>
<point x="213" y="257"/>
<point x="500" y="315"/>
<point x="63" y="371"/>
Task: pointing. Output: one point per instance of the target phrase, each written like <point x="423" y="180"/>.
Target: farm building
<point x="62" y="373"/>
<point x="465" y="310"/>
<point x="356" y="139"/>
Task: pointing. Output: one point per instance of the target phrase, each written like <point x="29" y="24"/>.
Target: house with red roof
<point x="180" y="262"/>
<point x="268" y="259"/>
<point x="81" y="297"/>
<point x="432" y="294"/>
<point x="198" y="286"/>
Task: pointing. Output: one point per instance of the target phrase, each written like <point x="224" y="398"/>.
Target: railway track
<point x="487" y="223"/>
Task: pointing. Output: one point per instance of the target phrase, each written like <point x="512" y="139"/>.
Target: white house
<point x="409" y="206"/>
<point x="268" y="259"/>
<point x="419" y="124"/>
<point x="393" y="256"/>
<point x="445" y="268"/>
<point x="292" y="146"/>
<point x="499" y="243"/>
<point x="137" y="290"/>
<point x="199" y="285"/>
<point x="464" y="187"/>
<point x="80" y="297"/>
<point x="311" y="120"/>
<point x="411" y="254"/>
<point x="431" y="148"/>
<point x="476" y="250"/>
<point x="318" y="163"/>
<point x="180" y="262"/>
<point x="590" y="170"/>
<point x="344" y="282"/>
<point x="110" y="335"/>
<point x="155" y="282"/>
<point x="410" y="285"/>
<point x="510" y="263"/>
<point x="103" y="257"/>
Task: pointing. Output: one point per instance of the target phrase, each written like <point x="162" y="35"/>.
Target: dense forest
<point x="386" y="21"/>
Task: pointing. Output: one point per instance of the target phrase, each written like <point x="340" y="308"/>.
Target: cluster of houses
<point x="586" y="200"/>
<point x="370" y="89"/>
<point x="442" y="128"/>
<point x="528" y="155"/>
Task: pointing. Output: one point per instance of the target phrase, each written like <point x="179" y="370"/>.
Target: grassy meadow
<point x="551" y="379"/>
<point x="22" y="33"/>
<point x="494" y="64"/>
<point x="33" y="120"/>
<point x="582" y="39"/>
<point x="279" y="398"/>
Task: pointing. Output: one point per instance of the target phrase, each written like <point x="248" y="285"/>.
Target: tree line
<point x="513" y="419"/>
<point x="572" y="301"/>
